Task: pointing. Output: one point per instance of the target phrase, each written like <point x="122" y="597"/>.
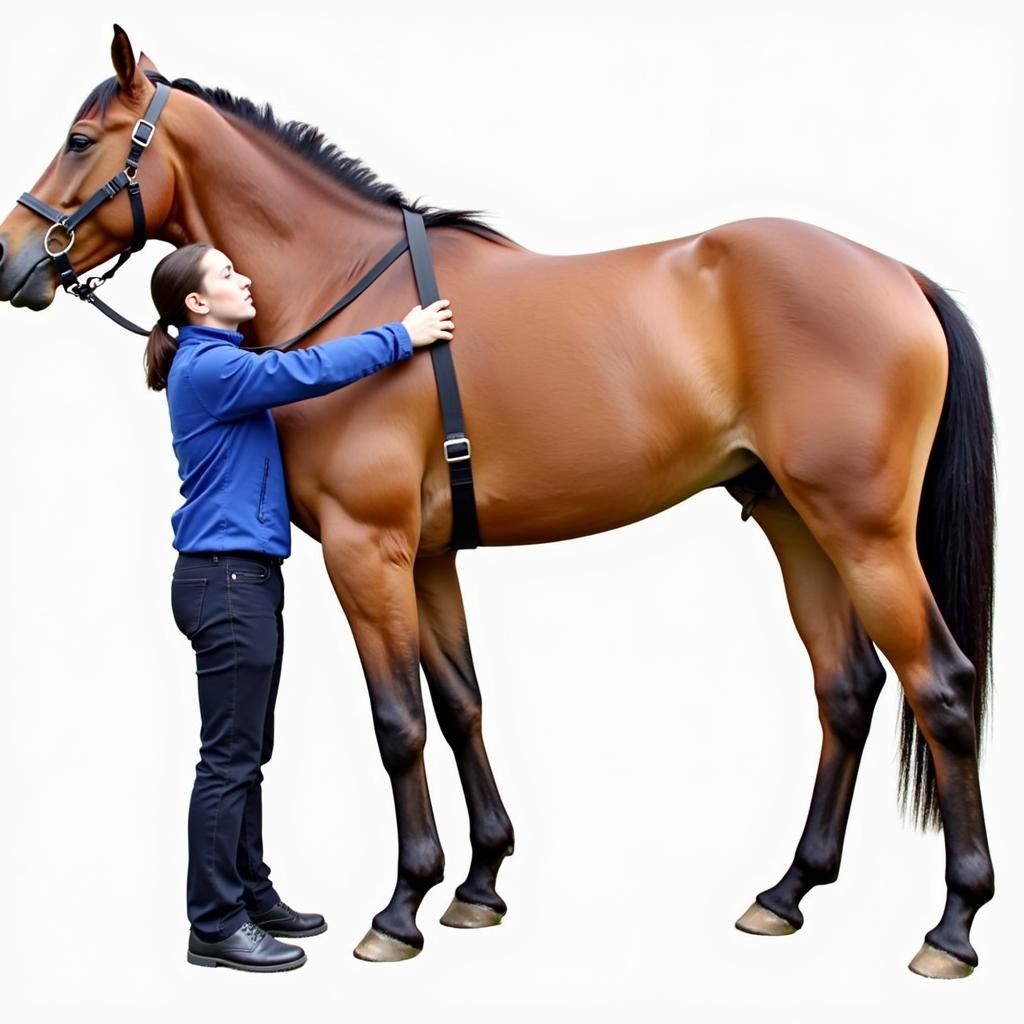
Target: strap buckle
<point x="149" y="137"/>
<point x="453" y="441"/>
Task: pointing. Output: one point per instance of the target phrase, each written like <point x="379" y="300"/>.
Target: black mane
<point x="305" y="139"/>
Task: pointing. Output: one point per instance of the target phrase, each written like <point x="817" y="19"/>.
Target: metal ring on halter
<point x="46" y="240"/>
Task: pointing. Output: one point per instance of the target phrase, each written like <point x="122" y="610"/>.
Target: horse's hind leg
<point x="895" y="603"/>
<point x="448" y="666"/>
<point x="848" y="677"/>
<point x="865" y="523"/>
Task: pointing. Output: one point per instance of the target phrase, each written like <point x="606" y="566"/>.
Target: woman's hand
<point x="429" y="325"/>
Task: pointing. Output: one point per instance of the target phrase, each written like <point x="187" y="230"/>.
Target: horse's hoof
<point x="470" y="915"/>
<point x="380" y="948"/>
<point x="937" y="963"/>
<point x="760" y="920"/>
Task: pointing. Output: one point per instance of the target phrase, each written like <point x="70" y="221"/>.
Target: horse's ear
<point x="146" y="64"/>
<point x="129" y="74"/>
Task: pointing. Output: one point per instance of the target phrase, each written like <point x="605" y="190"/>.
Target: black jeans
<point x="229" y="606"/>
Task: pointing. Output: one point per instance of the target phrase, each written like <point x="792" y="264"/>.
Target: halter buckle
<point x="62" y="224"/>
<point x="149" y="137"/>
<point x="453" y="441"/>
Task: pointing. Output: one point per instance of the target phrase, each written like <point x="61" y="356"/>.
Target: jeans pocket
<point x="246" y="570"/>
<point x="187" y="604"/>
<point x="248" y="575"/>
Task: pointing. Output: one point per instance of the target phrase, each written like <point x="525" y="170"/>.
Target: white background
<point x="648" y="707"/>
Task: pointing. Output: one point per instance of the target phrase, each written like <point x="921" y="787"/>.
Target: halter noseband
<point x="142" y="135"/>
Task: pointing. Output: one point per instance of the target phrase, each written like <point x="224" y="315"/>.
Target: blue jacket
<point x="219" y="397"/>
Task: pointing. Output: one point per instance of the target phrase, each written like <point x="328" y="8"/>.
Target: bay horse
<point x="839" y="395"/>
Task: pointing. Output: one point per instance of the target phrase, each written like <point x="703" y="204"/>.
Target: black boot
<point x="248" y="949"/>
<point x="280" y="919"/>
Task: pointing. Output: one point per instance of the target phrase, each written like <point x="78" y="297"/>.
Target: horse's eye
<point x="78" y="143"/>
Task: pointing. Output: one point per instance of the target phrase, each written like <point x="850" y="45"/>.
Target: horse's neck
<point x="278" y="219"/>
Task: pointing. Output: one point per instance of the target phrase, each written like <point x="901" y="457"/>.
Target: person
<point x="232" y="534"/>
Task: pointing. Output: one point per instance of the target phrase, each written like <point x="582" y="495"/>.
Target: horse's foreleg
<point x="848" y="677"/>
<point x="448" y="666"/>
<point x="371" y="570"/>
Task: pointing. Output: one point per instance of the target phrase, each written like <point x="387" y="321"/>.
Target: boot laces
<point x="253" y="931"/>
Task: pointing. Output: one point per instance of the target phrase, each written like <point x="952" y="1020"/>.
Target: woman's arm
<point x="231" y="382"/>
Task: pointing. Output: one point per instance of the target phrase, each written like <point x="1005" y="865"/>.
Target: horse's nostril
<point x="1" y="251"/>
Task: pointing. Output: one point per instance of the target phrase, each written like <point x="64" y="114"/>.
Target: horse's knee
<point x="401" y="735"/>
<point x="460" y="718"/>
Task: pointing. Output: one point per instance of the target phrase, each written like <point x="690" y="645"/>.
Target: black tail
<point x="955" y="538"/>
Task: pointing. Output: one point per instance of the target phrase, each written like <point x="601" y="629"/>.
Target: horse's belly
<point x="597" y="390"/>
<point x="617" y="406"/>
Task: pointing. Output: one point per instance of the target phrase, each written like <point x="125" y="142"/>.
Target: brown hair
<point x="174" y="277"/>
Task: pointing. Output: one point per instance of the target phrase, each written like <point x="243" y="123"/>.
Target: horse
<point x="839" y="395"/>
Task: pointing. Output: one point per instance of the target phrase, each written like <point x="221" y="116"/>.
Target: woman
<point x="232" y="534"/>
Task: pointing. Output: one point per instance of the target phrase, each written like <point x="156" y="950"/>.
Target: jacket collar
<point x="191" y="333"/>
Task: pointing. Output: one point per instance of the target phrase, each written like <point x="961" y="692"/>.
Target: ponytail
<point x="174" y="277"/>
<point x="158" y="356"/>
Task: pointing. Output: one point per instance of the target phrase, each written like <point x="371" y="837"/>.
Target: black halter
<point x="142" y="135"/>
<point x="465" y="532"/>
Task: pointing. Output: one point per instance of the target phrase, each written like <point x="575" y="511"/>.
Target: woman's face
<point x="224" y="300"/>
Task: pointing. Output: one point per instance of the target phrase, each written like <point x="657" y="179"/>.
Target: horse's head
<point x="92" y="154"/>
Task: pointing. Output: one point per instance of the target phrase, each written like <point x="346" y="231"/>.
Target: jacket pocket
<point x="263" y="488"/>
<point x="187" y="604"/>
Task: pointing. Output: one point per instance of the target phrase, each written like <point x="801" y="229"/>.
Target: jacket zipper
<point x="263" y="488"/>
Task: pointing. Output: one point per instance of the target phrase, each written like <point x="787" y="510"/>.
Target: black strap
<point x="70" y="221"/>
<point x="465" y="529"/>
<point x="142" y="134"/>
<point x="354" y="292"/>
<point x="91" y="298"/>
<point x="41" y="208"/>
<point x="101" y="195"/>
<point x="138" y="216"/>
